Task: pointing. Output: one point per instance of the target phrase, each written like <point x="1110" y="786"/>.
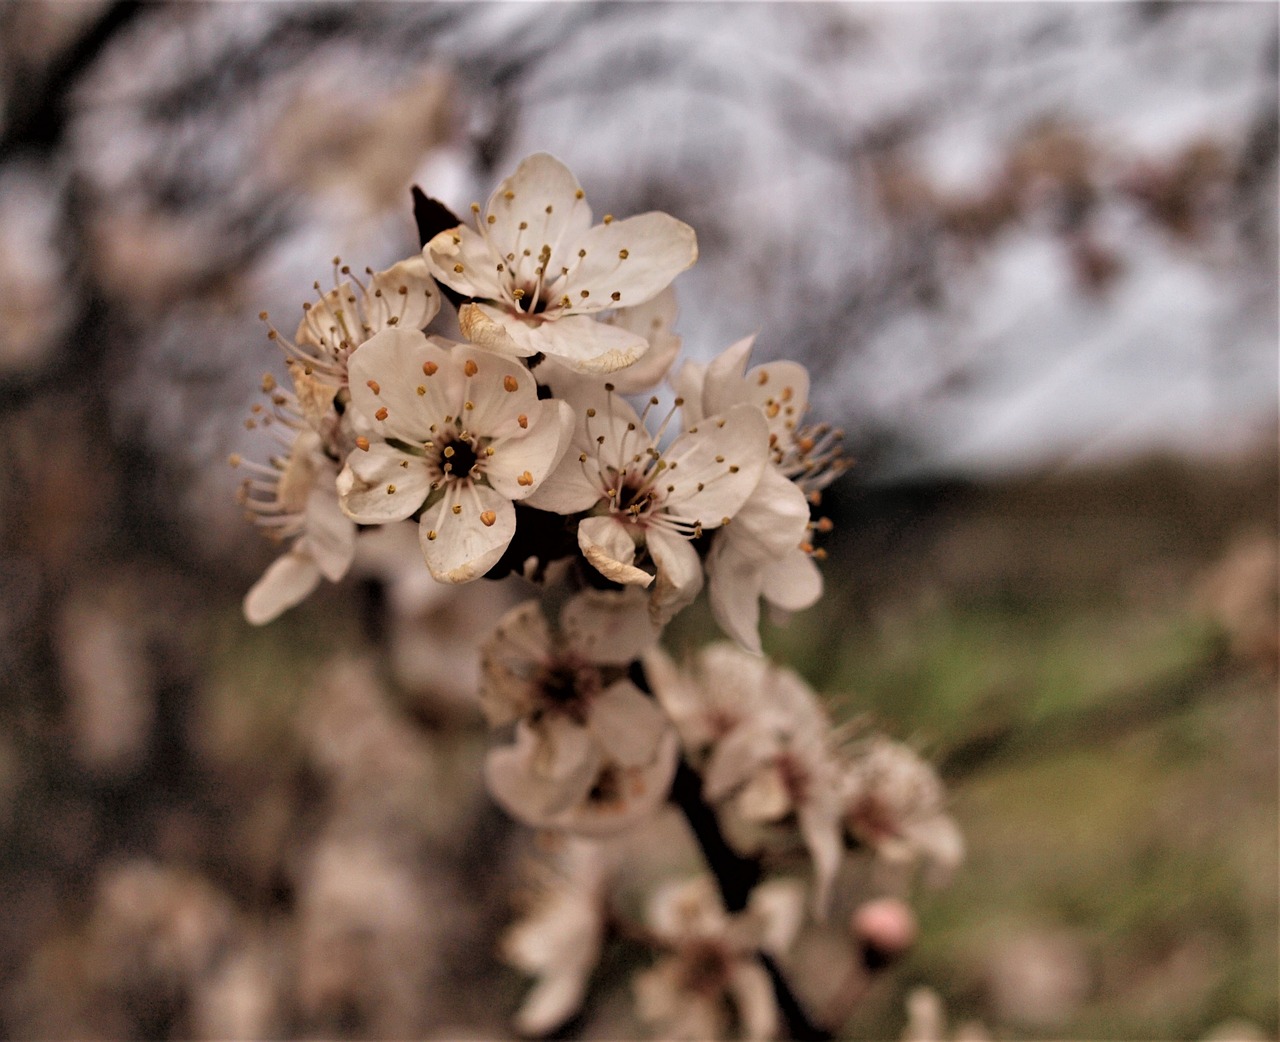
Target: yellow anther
<point x="431" y="533"/>
<point x="510" y="383"/>
<point x="381" y="414"/>
<point x="579" y="194"/>
<point x="430" y="368"/>
<point x="458" y="268"/>
<point x="523" y="421"/>
<point x="469" y="367"/>
<point x="268" y="383"/>
<point x="391" y="490"/>
<point x="456" y="508"/>
<point x="362" y="443"/>
<point x="623" y="254"/>
<point x="489" y="517"/>
<point x="615" y="295"/>
<point x="448" y="452"/>
<point x="608" y="218"/>
<point x="234" y="459"/>
<point x="374" y="386"/>
<point x="421" y="390"/>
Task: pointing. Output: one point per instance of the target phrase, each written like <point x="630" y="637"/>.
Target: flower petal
<point x="541" y="775"/>
<point x="609" y="548"/>
<point x="636" y="259"/>
<point x="459" y="546"/>
<point x="286" y="582"/>
<point x="679" y="574"/>
<point x="386" y="374"/>
<point x="519" y="465"/>
<point x="330" y="537"/>
<point x="627" y="724"/>
<point x="610" y="627"/>
<point x="793" y="582"/>
<point x="405" y="296"/>
<point x="463" y="260"/>
<point x="708" y="488"/>
<point x="734" y="591"/>
<point x="544" y="197"/>
<point x="578" y="341"/>
<point x="382" y="484"/>
<point x="652" y="320"/>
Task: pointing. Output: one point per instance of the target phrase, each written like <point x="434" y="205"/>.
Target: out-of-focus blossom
<point x="712" y="965"/>
<point x="894" y="803"/>
<point x="576" y="710"/>
<point x="766" y="743"/>
<point x="295" y="497"/>
<point x="559" y="936"/>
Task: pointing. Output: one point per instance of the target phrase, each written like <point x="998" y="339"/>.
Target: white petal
<point x="286" y="582"/>
<point x="459" y="547"/>
<point x="519" y="465"/>
<point x="405" y="293"/>
<point x="740" y="439"/>
<point x="636" y="258"/>
<point x="627" y="724"/>
<point x="376" y="485"/>
<point x="610" y="627"/>
<point x="736" y="758"/>
<point x="679" y="574"/>
<point x="386" y="372"/>
<point x="330" y="538"/>
<point x="793" y="582"/>
<point x="652" y="320"/>
<point x="723" y="376"/>
<point x="774" y="520"/>
<point x="609" y="548"/>
<point x="753" y="993"/>
<point x="687" y="384"/>
<point x="734" y="592"/>
<point x="501" y="389"/>
<point x="463" y="247"/>
<point x="544" y="196"/>
<point x="535" y="779"/>
<point x="819" y="820"/>
<point x="577" y="341"/>
<point x="636" y="793"/>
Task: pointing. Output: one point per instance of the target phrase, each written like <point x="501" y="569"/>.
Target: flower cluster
<point x="559" y="441"/>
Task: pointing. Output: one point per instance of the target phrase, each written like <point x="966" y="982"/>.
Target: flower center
<point x="458" y="458"/>
<point x="567" y="687"/>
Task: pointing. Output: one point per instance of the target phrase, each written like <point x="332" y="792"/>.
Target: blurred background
<point x="1029" y="252"/>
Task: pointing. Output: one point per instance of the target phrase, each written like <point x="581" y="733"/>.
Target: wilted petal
<point x="609" y="548"/>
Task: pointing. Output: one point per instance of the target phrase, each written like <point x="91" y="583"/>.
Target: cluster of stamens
<point x="632" y="482"/>
<point x="340" y="322"/>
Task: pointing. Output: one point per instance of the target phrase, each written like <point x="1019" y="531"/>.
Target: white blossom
<point x="644" y="503"/>
<point x="768" y="552"/>
<point x="894" y="803"/>
<point x="764" y="742"/>
<point x="559" y="937"/>
<point x="539" y="273"/>
<point x="580" y="720"/>
<point x="455" y="432"/>
<point x="403" y="296"/>
<point x="712" y="964"/>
